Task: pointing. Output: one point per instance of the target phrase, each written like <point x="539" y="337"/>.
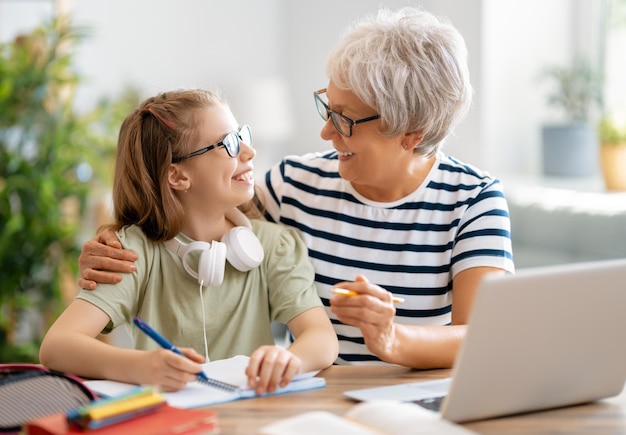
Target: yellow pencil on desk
<point x="127" y="404"/>
<point x="346" y="292"/>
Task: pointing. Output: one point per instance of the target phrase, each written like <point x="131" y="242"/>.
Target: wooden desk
<point x="247" y="416"/>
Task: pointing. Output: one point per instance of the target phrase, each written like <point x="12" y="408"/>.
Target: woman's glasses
<point x="342" y="123"/>
<point x="231" y="142"/>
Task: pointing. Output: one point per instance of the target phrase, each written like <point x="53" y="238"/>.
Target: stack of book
<point x="143" y="410"/>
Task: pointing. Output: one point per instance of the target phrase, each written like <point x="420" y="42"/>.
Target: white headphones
<point x="239" y="246"/>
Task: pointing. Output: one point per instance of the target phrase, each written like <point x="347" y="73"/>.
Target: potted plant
<point x="612" y="137"/>
<point x="50" y="158"/>
<point x="570" y="148"/>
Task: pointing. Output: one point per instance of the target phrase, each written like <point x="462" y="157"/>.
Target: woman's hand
<point x="271" y="367"/>
<point x="423" y="347"/>
<point x="101" y="257"/>
<point x="372" y="311"/>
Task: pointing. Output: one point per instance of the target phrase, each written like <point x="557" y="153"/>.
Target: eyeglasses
<point x="342" y="123"/>
<point x="231" y="142"/>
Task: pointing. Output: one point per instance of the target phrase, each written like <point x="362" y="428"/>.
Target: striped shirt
<point x="413" y="247"/>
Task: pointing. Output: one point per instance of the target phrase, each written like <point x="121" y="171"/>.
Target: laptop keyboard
<point x="431" y="403"/>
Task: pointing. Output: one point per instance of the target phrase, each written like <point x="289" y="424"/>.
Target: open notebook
<point x="196" y="394"/>
<point x="544" y="338"/>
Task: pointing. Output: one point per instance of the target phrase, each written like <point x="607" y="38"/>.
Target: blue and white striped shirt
<point x="457" y="219"/>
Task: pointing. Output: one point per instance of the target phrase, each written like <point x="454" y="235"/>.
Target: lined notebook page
<point x="197" y="394"/>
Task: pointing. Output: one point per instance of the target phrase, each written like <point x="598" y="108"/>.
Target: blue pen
<point x="163" y="342"/>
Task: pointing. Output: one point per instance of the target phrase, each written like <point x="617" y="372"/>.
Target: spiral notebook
<point x="229" y="371"/>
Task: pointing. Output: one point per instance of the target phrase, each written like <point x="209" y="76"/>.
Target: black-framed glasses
<point x="342" y="123"/>
<point x="231" y="142"/>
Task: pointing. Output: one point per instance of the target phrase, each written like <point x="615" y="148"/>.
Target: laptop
<point x="546" y="337"/>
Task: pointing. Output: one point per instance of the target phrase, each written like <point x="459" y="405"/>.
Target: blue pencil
<point x="163" y="342"/>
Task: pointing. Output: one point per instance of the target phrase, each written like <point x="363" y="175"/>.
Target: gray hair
<point x="411" y="67"/>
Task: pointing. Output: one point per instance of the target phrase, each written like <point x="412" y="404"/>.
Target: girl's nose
<point x="247" y="152"/>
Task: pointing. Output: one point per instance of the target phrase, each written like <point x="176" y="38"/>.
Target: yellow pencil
<point x="346" y="292"/>
<point x="125" y="405"/>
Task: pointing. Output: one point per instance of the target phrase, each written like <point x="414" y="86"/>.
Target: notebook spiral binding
<point x="218" y="384"/>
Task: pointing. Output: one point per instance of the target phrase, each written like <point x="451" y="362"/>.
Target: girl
<point x="183" y="167"/>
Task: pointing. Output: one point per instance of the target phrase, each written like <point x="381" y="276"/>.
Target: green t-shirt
<point x="238" y="313"/>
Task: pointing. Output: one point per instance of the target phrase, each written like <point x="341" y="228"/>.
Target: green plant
<point x="576" y="89"/>
<point x="612" y="131"/>
<point x="50" y="157"/>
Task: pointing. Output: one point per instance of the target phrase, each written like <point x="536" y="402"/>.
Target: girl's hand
<point x="271" y="367"/>
<point x="167" y="369"/>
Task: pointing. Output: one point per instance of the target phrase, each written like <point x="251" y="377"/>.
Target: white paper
<point x="316" y="423"/>
<point x="382" y="417"/>
<point x="197" y="394"/>
<point x="398" y="418"/>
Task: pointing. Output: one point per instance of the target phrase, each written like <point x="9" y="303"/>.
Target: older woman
<point x="386" y="213"/>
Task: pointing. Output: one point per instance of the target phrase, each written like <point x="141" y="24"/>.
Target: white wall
<point x="21" y="16"/>
<point x="161" y="44"/>
<point x="517" y="42"/>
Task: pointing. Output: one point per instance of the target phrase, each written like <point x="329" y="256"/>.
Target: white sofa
<point x="557" y="225"/>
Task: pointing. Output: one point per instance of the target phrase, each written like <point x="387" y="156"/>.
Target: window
<point x="615" y="58"/>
